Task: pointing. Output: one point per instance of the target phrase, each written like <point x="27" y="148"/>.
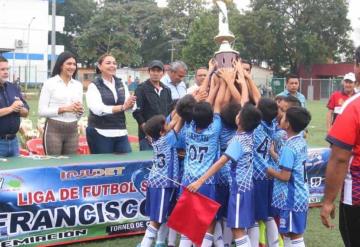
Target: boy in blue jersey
<point x="202" y="147"/>
<point x="160" y="192"/>
<point x="228" y="118"/>
<point x="290" y="192"/>
<point x="239" y="151"/>
<point x="280" y="136"/>
<point x="262" y="185"/>
<point x="184" y="109"/>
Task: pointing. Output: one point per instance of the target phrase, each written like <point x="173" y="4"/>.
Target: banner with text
<point x="48" y="205"/>
<point x="315" y="168"/>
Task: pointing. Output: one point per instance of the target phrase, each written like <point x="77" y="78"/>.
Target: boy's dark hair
<point x="268" y="108"/>
<point x="154" y="126"/>
<point x="61" y="60"/>
<point x="357" y="56"/>
<point x="203" y="114"/>
<point x="228" y="114"/>
<point x="250" y="117"/>
<point x="2" y="59"/>
<point x="247" y="62"/>
<point x="185" y="107"/>
<point x="292" y="101"/>
<point x="279" y="97"/>
<point x="291" y="76"/>
<point x="298" y="118"/>
<point x="173" y="104"/>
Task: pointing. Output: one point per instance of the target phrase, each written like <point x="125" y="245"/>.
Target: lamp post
<point x="27" y="53"/>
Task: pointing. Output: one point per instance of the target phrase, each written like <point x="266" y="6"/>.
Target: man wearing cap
<point x="338" y="98"/>
<point x="152" y="98"/>
<point x="174" y="79"/>
<point x="12" y="107"/>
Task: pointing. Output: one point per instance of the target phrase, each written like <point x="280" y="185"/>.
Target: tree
<point x="147" y="25"/>
<point x="200" y="45"/>
<point x="297" y="32"/>
<point x="108" y="32"/>
<point x="77" y="14"/>
<point x="178" y="18"/>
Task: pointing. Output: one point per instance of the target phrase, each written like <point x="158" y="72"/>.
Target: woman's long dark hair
<point x="61" y="60"/>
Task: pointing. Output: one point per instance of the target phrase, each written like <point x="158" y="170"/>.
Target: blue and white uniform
<point x="292" y="197"/>
<point x="262" y="184"/>
<point x="223" y="178"/>
<point x="202" y="150"/>
<point x="241" y="200"/>
<point x="160" y="193"/>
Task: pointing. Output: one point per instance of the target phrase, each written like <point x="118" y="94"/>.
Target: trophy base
<point x="225" y="59"/>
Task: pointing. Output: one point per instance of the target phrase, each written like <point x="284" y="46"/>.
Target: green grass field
<point x="316" y="235"/>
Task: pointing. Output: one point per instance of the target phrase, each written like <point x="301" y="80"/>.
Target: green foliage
<point x="301" y="31"/>
<point x="108" y="32"/>
<point x="77" y="14"/>
<point x="284" y="33"/>
<point x="200" y="45"/>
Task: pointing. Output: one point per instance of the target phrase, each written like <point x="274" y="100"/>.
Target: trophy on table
<point x="225" y="55"/>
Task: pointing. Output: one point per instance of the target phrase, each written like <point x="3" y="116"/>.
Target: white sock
<point x="242" y="242"/>
<point x="162" y="233"/>
<point x="185" y="242"/>
<point x="287" y="242"/>
<point x="208" y="240"/>
<point x="149" y="236"/>
<point x="254" y="235"/>
<point x="227" y="234"/>
<point x="172" y="237"/>
<point x="299" y="242"/>
<point x="218" y="235"/>
<point x="272" y="233"/>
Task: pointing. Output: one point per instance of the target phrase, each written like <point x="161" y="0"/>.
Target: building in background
<point x="24" y="38"/>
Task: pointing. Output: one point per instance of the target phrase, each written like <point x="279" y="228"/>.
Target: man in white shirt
<point x="200" y="76"/>
<point x="174" y="79"/>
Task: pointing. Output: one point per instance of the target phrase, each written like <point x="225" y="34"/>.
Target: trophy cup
<point x="225" y="55"/>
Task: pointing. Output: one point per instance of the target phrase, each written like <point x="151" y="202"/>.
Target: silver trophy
<point x="225" y="55"/>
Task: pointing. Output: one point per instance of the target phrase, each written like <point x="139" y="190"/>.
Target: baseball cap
<point x="156" y="64"/>
<point x="350" y="76"/>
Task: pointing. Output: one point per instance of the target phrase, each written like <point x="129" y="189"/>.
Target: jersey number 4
<point x="263" y="148"/>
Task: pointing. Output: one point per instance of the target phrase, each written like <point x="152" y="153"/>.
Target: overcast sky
<point x="354" y="15"/>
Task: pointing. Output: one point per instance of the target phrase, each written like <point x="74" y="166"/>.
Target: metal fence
<point x="313" y="89"/>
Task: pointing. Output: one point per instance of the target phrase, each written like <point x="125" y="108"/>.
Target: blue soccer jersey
<point x="165" y="162"/>
<point x="262" y="143"/>
<point x="240" y="151"/>
<point x="202" y="150"/>
<point x="292" y="195"/>
<point x="279" y="137"/>
<point x="223" y="176"/>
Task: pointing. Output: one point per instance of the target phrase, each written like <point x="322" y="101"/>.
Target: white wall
<point x="14" y="25"/>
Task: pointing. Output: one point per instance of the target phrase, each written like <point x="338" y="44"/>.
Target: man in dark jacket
<point x="152" y="98"/>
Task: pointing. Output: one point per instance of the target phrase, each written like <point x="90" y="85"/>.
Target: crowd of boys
<point x="245" y="152"/>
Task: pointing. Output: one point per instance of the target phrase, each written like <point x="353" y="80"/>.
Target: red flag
<point x="192" y="215"/>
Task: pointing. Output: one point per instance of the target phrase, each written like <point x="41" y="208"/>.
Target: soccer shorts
<point x="241" y="209"/>
<point x="222" y="197"/>
<point x="292" y="222"/>
<point x="263" y="195"/>
<point x="159" y="203"/>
